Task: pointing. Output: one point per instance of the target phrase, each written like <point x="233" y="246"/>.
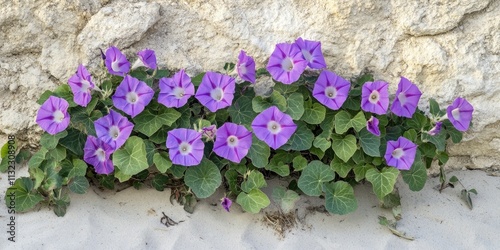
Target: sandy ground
<point x="130" y="219"/>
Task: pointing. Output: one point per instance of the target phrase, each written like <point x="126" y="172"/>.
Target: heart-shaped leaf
<point x="203" y="179"/>
<point x="339" y="198"/>
<point x="383" y="182"/>
<point x="314" y="176"/>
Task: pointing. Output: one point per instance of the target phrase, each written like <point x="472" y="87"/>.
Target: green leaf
<point x="295" y="105"/>
<point x="302" y="139"/>
<point x="177" y="171"/>
<point x="74" y="141"/>
<point x="50" y="141"/>
<point x="79" y="185"/>
<point x="58" y="153"/>
<point x="131" y="159"/>
<point x="37" y="158"/>
<point x="61" y="204"/>
<point x="44" y="96"/>
<point x="91" y="106"/>
<point x="369" y="142"/>
<point x="285" y="198"/>
<point x="23" y="195"/>
<point x="79" y="168"/>
<point x="122" y="177"/>
<point x="260" y="103"/>
<point x="285" y="89"/>
<point x="23" y="155"/>
<point x="360" y="171"/>
<point x="313" y="176"/>
<point x="241" y="111"/>
<point x="344" y="122"/>
<point x="322" y="143"/>
<point x="232" y="180"/>
<point x="416" y="176"/>
<point x="411" y="135"/>
<point x="434" y="108"/>
<point x="83" y="121"/>
<point x="383" y="182"/>
<point x="417" y="122"/>
<point x="259" y="153"/>
<point x="64" y="91"/>
<point x="299" y="163"/>
<point x="160" y="73"/>
<point x="438" y="140"/>
<point x="340" y="167"/>
<point x="197" y="79"/>
<point x="148" y="123"/>
<point x="38" y="175"/>
<point x="280" y="169"/>
<point x="339" y="198"/>
<point x="160" y="137"/>
<point x="254" y="201"/>
<point x="314" y="114"/>
<point x="150" y="151"/>
<point x="159" y="182"/>
<point x="344" y="147"/>
<point x="255" y="180"/>
<point x="162" y="162"/>
<point x="456" y="136"/>
<point x="203" y="179"/>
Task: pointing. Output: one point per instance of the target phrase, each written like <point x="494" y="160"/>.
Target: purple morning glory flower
<point x="185" y="146"/>
<point x="216" y="91"/>
<point x="460" y="114"/>
<point x="311" y="50"/>
<point x="53" y="115"/>
<point x="96" y="153"/>
<point x="114" y="129"/>
<point x="375" y="97"/>
<point x="232" y="142"/>
<point x="407" y="97"/>
<point x="175" y="91"/>
<point x="81" y="84"/>
<point x="286" y="63"/>
<point x="116" y="62"/>
<point x="132" y="95"/>
<point x="148" y="58"/>
<point x="372" y="126"/>
<point x="436" y="129"/>
<point x="331" y="90"/>
<point x="246" y="67"/>
<point x="401" y="153"/>
<point x="273" y="127"/>
<point x="226" y="203"/>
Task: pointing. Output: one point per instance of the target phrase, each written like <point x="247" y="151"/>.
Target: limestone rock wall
<point x="449" y="48"/>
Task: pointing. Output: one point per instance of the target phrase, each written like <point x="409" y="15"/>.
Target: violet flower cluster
<point x="216" y="91"/>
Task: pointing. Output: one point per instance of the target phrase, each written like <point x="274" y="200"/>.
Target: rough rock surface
<point x="449" y="48"/>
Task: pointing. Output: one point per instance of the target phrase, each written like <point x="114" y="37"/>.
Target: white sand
<point x="130" y="219"/>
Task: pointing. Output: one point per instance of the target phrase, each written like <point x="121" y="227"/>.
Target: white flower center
<point x="331" y="92"/>
<point x="243" y="69"/>
<point x="232" y="141"/>
<point x="397" y="153"/>
<point x="58" y="116"/>
<point x="85" y="86"/>
<point x="101" y="155"/>
<point x="402" y="98"/>
<point x="374" y="97"/>
<point x="114" y="66"/>
<point x="287" y="64"/>
<point x="307" y="55"/>
<point x="114" y="132"/>
<point x="456" y="114"/>
<point x="217" y="94"/>
<point x="178" y="92"/>
<point x="132" y="97"/>
<point x="185" y="148"/>
<point x="273" y="127"/>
